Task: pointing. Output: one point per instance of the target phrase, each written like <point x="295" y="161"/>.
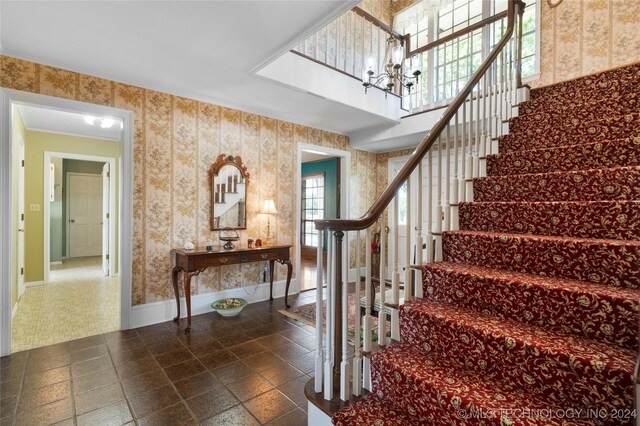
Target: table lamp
<point x="268" y="208"/>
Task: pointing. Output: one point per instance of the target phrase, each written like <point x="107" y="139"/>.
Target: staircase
<point x="532" y="317"/>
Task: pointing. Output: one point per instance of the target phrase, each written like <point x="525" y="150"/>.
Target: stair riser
<point x="619" y="127"/>
<point x="584" y="185"/>
<point x="606" y="155"/>
<point x="615" y="220"/>
<point x="553" y="376"/>
<point x="603" y="84"/>
<point x="574" y="114"/>
<point x="567" y="310"/>
<point x="605" y="262"/>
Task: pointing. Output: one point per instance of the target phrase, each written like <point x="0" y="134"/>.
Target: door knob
<point x="20" y="229"/>
<point x="72" y="220"/>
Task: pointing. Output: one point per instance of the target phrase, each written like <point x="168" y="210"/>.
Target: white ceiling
<point x="68" y="123"/>
<point x="206" y="50"/>
<point x="309" y="156"/>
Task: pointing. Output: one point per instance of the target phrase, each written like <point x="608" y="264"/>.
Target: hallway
<point x="79" y="301"/>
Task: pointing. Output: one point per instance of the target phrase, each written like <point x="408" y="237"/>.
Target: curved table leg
<point x="286" y="291"/>
<point x="174" y="279"/>
<point x="187" y="297"/>
<point x="271" y="264"/>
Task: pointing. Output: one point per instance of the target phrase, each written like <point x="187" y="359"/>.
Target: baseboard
<point x="317" y="417"/>
<point x="34" y="283"/>
<point x="55" y="263"/>
<point x="157" y="312"/>
<point x="14" y="310"/>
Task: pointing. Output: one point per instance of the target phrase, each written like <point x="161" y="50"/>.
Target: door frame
<point x="8" y="97"/>
<point x="47" y="212"/>
<point x="345" y="173"/>
<point x="20" y="276"/>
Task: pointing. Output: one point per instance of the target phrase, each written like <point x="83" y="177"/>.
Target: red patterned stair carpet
<point x="532" y="317"/>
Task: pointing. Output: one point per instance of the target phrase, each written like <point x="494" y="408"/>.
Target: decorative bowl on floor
<point x="229" y="307"/>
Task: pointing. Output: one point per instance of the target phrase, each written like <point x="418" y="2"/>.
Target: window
<point x="312" y="207"/>
<point x="448" y="67"/>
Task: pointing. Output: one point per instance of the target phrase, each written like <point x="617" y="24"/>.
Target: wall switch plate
<point x="34" y="207"/>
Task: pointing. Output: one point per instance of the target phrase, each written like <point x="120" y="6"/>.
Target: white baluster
<point x="483" y="131"/>
<point x="408" y="288"/>
<point x="368" y="320"/>
<point x="438" y="219"/>
<point x="454" y="178"/>
<point x="447" y="180"/>
<point x="419" y="239"/>
<point x="357" y="359"/>
<point x="328" y="363"/>
<point x="501" y="93"/>
<point x="319" y="351"/>
<point x="338" y="42"/>
<point x="382" y="316"/>
<point x="345" y="378"/>
<point x="430" y="204"/>
<point x="470" y="159"/>
<point x="477" y="136"/>
<point x="463" y="156"/>
<point x="395" y="278"/>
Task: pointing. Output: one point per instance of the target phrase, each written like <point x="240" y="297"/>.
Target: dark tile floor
<point x="246" y="370"/>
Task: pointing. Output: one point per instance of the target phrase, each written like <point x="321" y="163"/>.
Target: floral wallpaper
<point x="380" y="9"/>
<point x="175" y="142"/>
<point x="581" y="37"/>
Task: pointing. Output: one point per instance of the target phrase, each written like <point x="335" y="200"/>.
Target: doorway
<point x="322" y="194"/>
<point x="29" y="206"/>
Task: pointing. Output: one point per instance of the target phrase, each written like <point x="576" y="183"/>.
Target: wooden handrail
<point x="469" y="29"/>
<point x="378" y="23"/>
<point x="381" y="203"/>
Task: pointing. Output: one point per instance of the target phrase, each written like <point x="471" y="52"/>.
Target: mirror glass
<point x="229" y="194"/>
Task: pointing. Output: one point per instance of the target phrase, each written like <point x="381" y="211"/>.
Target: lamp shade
<point x="269" y="207"/>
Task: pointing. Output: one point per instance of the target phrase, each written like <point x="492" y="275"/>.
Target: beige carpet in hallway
<point x="77" y="302"/>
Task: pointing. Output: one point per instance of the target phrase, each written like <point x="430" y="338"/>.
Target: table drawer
<point x="218" y="260"/>
<point x="258" y="256"/>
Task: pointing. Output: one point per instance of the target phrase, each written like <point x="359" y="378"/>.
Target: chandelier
<point x="394" y="70"/>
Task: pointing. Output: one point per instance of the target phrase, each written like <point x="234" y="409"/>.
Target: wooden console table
<point x="192" y="262"/>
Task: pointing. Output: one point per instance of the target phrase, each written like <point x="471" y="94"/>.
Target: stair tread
<point x="561" y="148"/>
<point x="595" y="102"/>
<point x="604" y="128"/>
<point x="373" y="410"/>
<point x="591" y="310"/>
<point x="585" y="287"/>
<point x="458" y="389"/>
<point x="611" y="78"/>
<point x="583" y="123"/>
<point x="627" y="243"/>
<point x="616" y="183"/>
<point x="621" y="152"/>
<point x="516" y="333"/>
<point x="560" y="173"/>
<point x="614" y="219"/>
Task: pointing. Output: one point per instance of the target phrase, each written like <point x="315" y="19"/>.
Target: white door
<point x="85" y="215"/>
<point x="20" y="217"/>
<point x="105" y="219"/>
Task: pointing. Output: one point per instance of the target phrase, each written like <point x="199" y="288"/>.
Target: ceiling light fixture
<point x="90" y="120"/>
<point x="394" y="69"/>
<point x="107" y="123"/>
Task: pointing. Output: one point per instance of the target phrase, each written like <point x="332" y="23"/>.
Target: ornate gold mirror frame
<point x="235" y="185"/>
